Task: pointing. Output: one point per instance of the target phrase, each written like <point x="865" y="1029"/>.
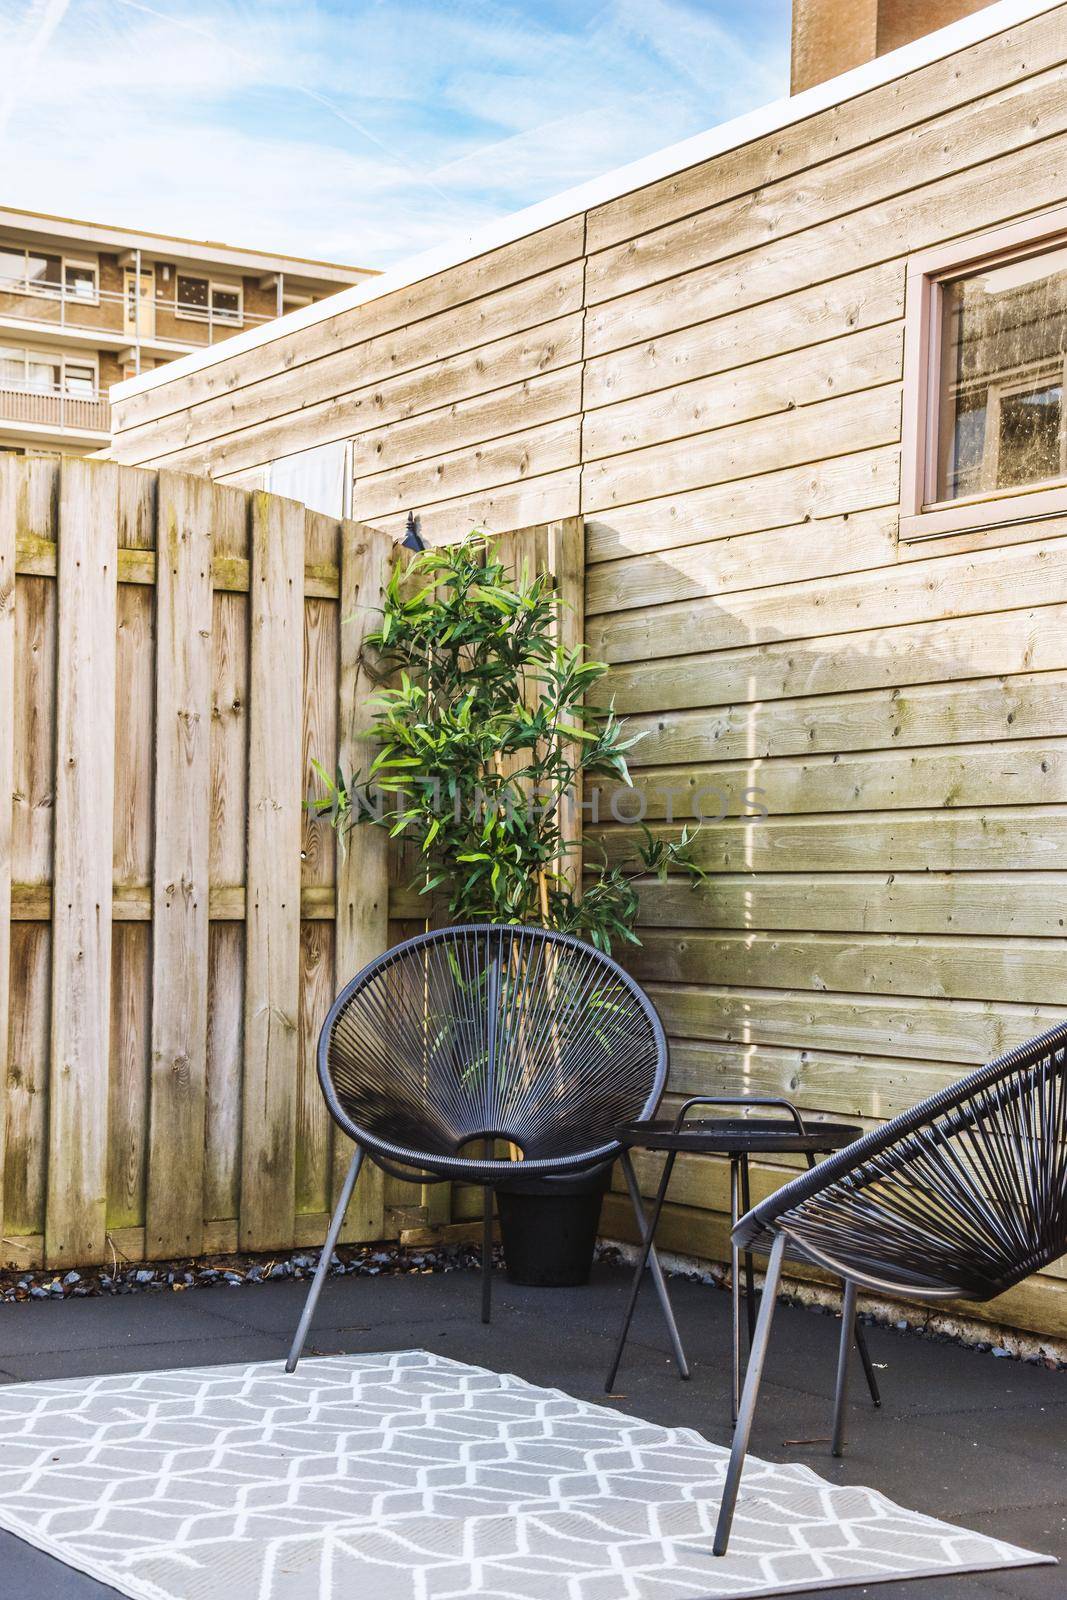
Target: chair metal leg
<point x="735" y="1289"/>
<point x="647" y="1232"/>
<point x="750" y="1265"/>
<point x="748" y="1398"/>
<point x="848" y="1333"/>
<point x="324" y="1260"/>
<point x="868" y="1364"/>
<point x="648" y="1228"/>
<point x="487" y="1253"/>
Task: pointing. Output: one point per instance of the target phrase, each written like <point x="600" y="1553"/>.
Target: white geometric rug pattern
<point x="413" y="1477"/>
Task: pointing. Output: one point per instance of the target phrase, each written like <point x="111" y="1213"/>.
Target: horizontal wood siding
<point x="709" y="370"/>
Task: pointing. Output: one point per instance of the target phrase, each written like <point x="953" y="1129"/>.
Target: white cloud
<point x="25" y="45"/>
<point x="356" y="130"/>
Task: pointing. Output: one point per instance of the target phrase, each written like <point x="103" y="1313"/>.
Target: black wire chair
<point x="458" y="1040"/>
<point x="961" y="1197"/>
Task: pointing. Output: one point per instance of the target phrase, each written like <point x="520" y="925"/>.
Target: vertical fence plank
<point x="229" y="700"/>
<point x="272" y="895"/>
<point x="137" y="508"/>
<point x="36" y="495"/>
<point x="225" y="1049"/>
<point x="131" y="942"/>
<point x="35" y="730"/>
<point x="314" y="1138"/>
<point x="174" y="1218"/>
<point x="229" y="832"/>
<point x="135" y="711"/>
<point x="26" y="1161"/>
<point x="362" y="928"/>
<point x="128" y="1101"/>
<point x="8" y="513"/>
<point x="75" y="1221"/>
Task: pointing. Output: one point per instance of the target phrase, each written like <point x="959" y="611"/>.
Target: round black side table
<point x="738" y="1138"/>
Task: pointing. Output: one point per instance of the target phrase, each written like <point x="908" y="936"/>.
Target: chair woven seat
<point x="467" y="1040"/>
<point x="491" y="1033"/>
<point x="962" y="1195"/>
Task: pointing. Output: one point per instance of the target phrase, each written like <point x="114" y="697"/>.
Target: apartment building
<point x="83" y="306"/>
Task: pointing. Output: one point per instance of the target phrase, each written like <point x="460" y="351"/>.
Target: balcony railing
<point x="110" y="311"/>
<point x="57" y="410"/>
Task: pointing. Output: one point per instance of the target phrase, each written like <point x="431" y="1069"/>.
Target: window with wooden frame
<point x="985" y="423"/>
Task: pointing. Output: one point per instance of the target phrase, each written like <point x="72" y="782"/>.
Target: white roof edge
<point x="979" y="25"/>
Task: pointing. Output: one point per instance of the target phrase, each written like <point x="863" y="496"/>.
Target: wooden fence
<point x="173" y="925"/>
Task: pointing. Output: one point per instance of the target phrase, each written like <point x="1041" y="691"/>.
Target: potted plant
<point x="484" y="727"/>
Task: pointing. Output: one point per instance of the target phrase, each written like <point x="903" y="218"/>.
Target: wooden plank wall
<point x="171" y="655"/>
<point x="709" y="370"/>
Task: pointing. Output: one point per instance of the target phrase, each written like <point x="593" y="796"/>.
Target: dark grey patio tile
<point x="120" y="1320"/>
<point x="276" y="1307"/>
<point x="971" y="1586"/>
<point x="916" y="1374"/>
<point x="1031" y="1430"/>
<point x="90" y="1362"/>
<point x="1041" y="1528"/>
<point x="460" y="1338"/>
<point x="927" y="1375"/>
<point x="370" y="1339"/>
<point x="917" y="1463"/>
<point x="27" y="1571"/>
<point x="1026" y="1583"/>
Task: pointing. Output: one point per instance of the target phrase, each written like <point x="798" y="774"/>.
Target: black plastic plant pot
<point x="548" y="1227"/>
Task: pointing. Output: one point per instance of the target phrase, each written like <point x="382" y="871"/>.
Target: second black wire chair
<point x="463" y="1039"/>
<point x="959" y="1198"/>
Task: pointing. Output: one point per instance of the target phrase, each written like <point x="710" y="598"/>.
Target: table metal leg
<point x="868" y="1364"/>
<point x="735" y="1290"/>
<point x="648" y="1257"/>
<point x="487" y="1253"/>
<point x="750" y="1265"/>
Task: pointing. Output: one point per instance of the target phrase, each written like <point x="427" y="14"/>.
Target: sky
<point x="358" y="131"/>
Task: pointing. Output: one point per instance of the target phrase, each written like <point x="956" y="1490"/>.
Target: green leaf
<point x="481" y="700"/>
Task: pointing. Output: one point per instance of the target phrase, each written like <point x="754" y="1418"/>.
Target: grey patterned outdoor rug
<point x="412" y="1477"/>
